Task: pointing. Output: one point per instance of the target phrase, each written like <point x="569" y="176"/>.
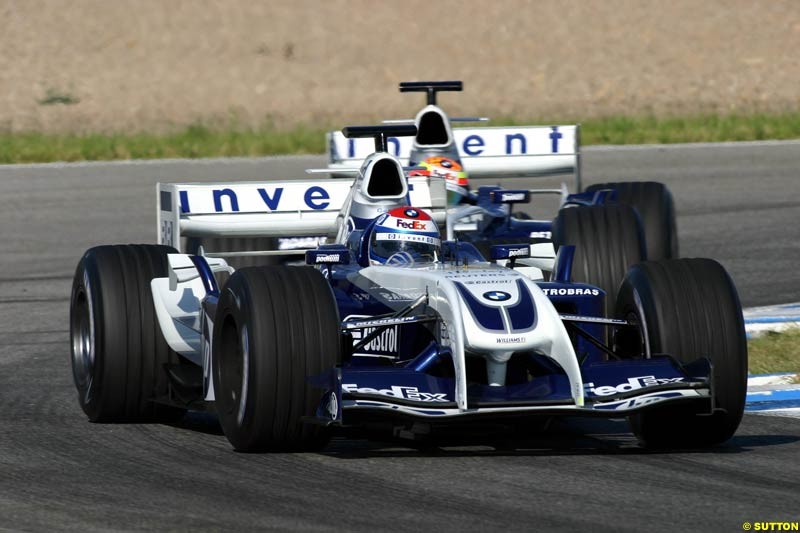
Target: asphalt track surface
<point x="739" y="204"/>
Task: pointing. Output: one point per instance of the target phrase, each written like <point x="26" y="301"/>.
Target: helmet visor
<point x="422" y="248"/>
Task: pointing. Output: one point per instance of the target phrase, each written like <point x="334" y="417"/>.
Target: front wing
<point x="612" y="389"/>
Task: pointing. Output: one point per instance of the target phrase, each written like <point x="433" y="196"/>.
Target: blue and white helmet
<point x="404" y="236"/>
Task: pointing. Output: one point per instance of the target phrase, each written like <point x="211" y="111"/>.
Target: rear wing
<point x="293" y="208"/>
<point x="485" y="152"/>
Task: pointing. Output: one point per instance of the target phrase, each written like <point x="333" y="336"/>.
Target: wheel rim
<point x="235" y="366"/>
<point x="634" y="342"/>
<point x="82" y="332"/>
<point x="641" y="321"/>
<point x="244" y="372"/>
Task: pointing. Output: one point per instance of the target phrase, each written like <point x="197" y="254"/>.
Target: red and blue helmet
<point x="403" y="236"/>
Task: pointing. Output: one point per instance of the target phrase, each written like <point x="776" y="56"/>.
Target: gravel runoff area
<point x="136" y="65"/>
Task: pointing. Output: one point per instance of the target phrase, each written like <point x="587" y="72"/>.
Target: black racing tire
<point x="656" y="208"/>
<point x="608" y="239"/>
<point x="274" y="327"/>
<point x="118" y="350"/>
<point x="691" y="309"/>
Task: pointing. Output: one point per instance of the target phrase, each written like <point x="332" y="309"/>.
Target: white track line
<point x="791" y="412"/>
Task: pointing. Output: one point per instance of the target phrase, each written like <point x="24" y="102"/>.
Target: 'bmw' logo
<point x="413" y="213"/>
<point x="496" y="296"/>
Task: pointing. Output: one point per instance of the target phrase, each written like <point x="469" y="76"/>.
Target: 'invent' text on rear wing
<point x="485" y="152"/>
<point x="293" y="208"/>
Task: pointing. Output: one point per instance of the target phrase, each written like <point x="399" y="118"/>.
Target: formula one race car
<point x="485" y="216"/>
<point x="391" y="326"/>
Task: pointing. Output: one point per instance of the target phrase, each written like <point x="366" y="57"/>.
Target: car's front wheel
<point x="275" y="327"/>
<point x="687" y="308"/>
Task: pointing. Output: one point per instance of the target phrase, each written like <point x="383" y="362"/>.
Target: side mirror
<point x="512" y="252"/>
<point x="335" y="255"/>
<point x="510" y="196"/>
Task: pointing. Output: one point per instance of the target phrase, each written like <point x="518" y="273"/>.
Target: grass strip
<point x="203" y="141"/>
<point x="192" y="142"/>
<point x="775" y="352"/>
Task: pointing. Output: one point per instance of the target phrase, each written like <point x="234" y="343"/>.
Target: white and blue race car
<point x="392" y="325"/>
<point x="485" y="216"/>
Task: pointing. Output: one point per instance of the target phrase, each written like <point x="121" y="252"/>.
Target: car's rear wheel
<point x="656" y="208"/>
<point x="118" y="351"/>
<point x="275" y="327"/>
<point x="687" y="308"/>
<point x="608" y="240"/>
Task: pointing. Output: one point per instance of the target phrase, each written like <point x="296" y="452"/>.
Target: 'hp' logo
<point x="496" y="296"/>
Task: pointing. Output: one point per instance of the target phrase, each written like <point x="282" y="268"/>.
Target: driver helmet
<point x="404" y="236"/>
<point x="453" y="173"/>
